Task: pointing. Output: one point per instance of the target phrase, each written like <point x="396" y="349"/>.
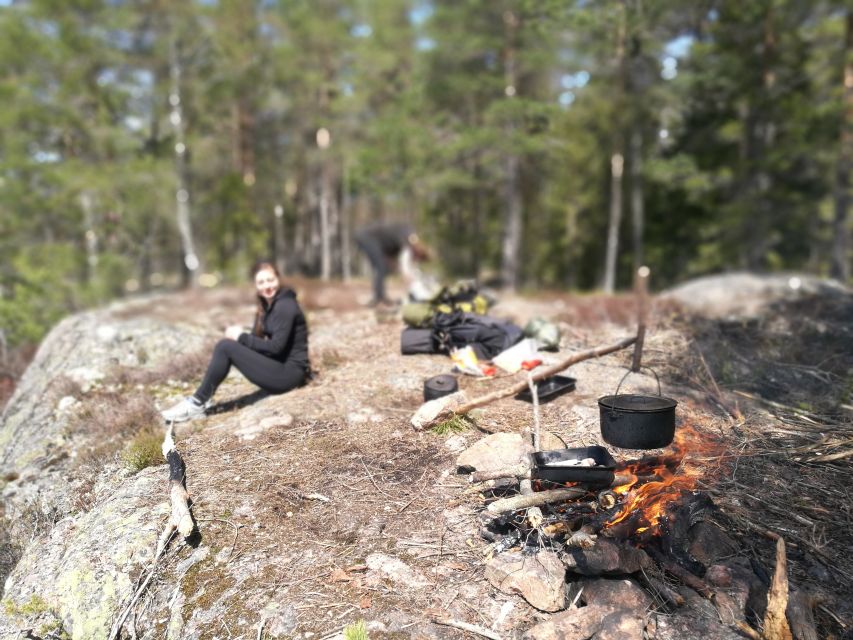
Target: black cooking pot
<point x="439" y="386"/>
<point x="633" y="421"/>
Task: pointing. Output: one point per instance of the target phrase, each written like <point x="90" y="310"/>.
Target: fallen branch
<point x="464" y="408"/>
<point x="180" y="520"/>
<point x="800" y="614"/>
<point x="536" y="499"/>
<point x="464" y="626"/>
<point x="518" y="471"/>
<point x="775" y="620"/>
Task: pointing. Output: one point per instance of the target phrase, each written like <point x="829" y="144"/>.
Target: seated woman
<point x="274" y="356"/>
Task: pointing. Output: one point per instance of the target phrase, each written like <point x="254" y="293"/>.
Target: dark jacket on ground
<point x="285" y="331"/>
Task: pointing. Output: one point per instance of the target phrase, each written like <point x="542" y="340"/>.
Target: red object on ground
<point x="527" y="365"/>
<point x="488" y="369"/>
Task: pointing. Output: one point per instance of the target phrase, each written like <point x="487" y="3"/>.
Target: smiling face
<point x="266" y="283"/>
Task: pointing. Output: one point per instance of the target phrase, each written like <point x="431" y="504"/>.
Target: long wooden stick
<point x="597" y="352"/>
<point x="641" y="291"/>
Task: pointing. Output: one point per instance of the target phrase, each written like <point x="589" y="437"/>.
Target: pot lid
<point x="637" y="403"/>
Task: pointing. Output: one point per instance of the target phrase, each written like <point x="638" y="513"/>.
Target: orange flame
<point x="666" y="481"/>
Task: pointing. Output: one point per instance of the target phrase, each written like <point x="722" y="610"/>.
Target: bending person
<point x="387" y="243"/>
<point x="274" y="356"/>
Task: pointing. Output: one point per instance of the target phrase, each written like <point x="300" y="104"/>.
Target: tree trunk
<point x="637" y="208"/>
<point x="91" y="237"/>
<point x="616" y="167"/>
<point x="617" y="162"/>
<point x="325" y="220"/>
<point x="183" y="210"/>
<point x="346" y="227"/>
<point x="279" y="249"/>
<point x="514" y="206"/>
<point x="840" y="264"/>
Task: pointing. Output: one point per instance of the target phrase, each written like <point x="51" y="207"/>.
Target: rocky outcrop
<point x="36" y="447"/>
<point x="746" y="295"/>
<point x="82" y="571"/>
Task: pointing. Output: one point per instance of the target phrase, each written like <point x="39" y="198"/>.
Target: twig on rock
<point x="464" y="626"/>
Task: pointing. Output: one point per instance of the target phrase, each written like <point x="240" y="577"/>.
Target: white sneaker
<point x="186" y="409"/>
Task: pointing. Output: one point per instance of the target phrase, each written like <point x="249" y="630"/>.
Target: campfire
<point x="655" y="484"/>
<point x="654" y="520"/>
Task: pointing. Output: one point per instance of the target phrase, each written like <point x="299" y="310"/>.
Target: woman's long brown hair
<point x="259" y="266"/>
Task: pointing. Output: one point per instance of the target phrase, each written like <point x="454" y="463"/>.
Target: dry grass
<point x="106" y="420"/>
<point x="183" y="367"/>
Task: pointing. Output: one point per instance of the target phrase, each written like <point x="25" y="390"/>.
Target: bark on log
<point x="597" y="352"/>
<point x="180" y="519"/>
<point x="520" y="471"/>
<point x="535" y="500"/>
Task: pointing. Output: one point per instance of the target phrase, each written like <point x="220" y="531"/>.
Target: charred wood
<point x="682" y="574"/>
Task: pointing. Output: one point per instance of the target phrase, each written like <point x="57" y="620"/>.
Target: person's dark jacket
<point x="285" y="331"/>
<point x="391" y="238"/>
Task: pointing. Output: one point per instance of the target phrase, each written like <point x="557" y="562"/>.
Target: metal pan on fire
<point x="560" y="466"/>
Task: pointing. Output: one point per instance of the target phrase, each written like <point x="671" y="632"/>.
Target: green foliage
<point x="143" y="451"/>
<point x="740" y="148"/>
<point x="356" y="631"/>
<point x="456" y="424"/>
<point x="34" y="606"/>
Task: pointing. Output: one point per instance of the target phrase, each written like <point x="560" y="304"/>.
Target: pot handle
<point x="630" y="371"/>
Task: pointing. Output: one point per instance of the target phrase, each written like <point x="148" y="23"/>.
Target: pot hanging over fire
<point x="632" y="421"/>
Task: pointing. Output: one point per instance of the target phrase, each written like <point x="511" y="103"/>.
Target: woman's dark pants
<point x="270" y="375"/>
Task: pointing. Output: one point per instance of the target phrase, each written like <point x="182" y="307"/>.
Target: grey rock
<point x="539" y="579"/>
<point x="494" y="452"/>
<point x="572" y="624"/>
<point x="606" y="557"/>
<point x="621" y="625"/>
<point x="85" y="567"/>
<point x="621" y="592"/>
<point x="384" y="567"/>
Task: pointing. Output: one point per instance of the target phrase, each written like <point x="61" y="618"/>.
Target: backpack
<point x="463" y="296"/>
<point x="486" y="335"/>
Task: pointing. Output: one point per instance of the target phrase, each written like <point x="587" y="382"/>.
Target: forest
<point x="543" y="144"/>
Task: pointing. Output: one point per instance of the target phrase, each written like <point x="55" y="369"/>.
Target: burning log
<point x="597" y="352"/>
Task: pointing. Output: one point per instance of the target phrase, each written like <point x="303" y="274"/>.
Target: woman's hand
<point x="233" y="332"/>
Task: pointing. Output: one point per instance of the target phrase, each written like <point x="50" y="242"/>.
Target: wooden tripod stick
<point x="641" y="292"/>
